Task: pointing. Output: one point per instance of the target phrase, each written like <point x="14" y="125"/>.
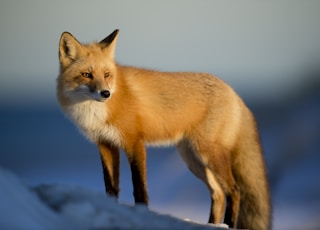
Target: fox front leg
<point x="110" y="158"/>
<point x="137" y="160"/>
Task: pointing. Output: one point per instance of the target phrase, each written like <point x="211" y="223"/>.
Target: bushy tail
<point x="250" y="175"/>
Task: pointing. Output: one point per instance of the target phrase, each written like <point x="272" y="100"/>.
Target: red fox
<point x="120" y="107"/>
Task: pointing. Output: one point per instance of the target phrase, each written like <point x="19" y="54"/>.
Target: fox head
<point x="87" y="71"/>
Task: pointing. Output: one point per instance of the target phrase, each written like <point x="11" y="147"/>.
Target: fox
<point x="120" y="107"/>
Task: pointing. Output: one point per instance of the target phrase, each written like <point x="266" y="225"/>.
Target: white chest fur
<point x="91" y="117"/>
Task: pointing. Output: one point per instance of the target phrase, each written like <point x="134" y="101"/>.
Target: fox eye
<point x="106" y="74"/>
<point x="87" y="75"/>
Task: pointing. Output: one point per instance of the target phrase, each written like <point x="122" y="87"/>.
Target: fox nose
<point x="105" y="93"/>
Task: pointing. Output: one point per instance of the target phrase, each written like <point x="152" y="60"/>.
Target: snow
<point x="21" y="209"/>
<point x="73" y="207"/>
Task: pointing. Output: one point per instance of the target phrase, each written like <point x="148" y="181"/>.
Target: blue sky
<point x="261" y="48"/>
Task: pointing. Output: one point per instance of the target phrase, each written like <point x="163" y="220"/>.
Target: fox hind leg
<point x="200" y="170"/>
<point x="221" y="166"/>
<point x="217" y="198"/>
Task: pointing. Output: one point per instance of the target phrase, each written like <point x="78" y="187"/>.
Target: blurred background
<point x="268" y="51"/>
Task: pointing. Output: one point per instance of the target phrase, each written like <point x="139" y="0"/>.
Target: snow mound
<point x="70" y="207"/>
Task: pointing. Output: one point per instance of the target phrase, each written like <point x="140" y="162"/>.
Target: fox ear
<point x="69" y="48"/>
<point x="110" y="42"/>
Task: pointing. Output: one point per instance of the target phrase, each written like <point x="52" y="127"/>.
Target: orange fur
<point x="126" y="107"/>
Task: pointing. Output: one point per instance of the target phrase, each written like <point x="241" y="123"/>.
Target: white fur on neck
<point x="91" y="117"/>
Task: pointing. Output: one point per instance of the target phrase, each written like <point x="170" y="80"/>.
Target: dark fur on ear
<point x="108" y="40"/>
